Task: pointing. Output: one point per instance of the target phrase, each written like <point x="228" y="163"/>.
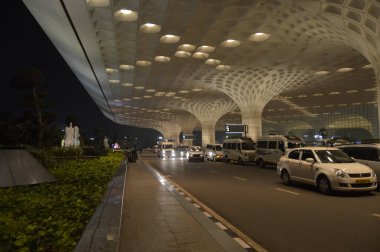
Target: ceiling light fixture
<point x="150" y="28"/>
<point x="182" y="54"/>
<point x="126" y="15"/>
<point x="200" y="55"/>
<point x="321" y="72"/>
<point x="186" y="47"/>
<point x="344" y="69"/>
<point x="162" y="59"/>
<point x="169" y="38"/>
<point x="114" y="81"/>
<point x="223" y="67"/>
<point x="126" y="67"/>
<point x="143" y="63"/>
<point x="230" y="43"/>
<point x="259" y="36"/>
<point x="111" y="70"/>
<point x="369" y="66"/>
<point x="126" y="84"/>
<point x="206" y="49"/>
<point x="212" y="62"/>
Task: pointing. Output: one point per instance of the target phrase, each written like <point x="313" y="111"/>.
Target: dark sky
<point x="24" y="44"/>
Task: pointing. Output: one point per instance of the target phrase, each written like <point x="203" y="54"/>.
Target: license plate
<point x="362" y="181"/>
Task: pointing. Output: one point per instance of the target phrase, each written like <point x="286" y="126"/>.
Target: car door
<point x="292" y="162"/>
<point x="370" y="156"/>
<point x="306" y="169"/>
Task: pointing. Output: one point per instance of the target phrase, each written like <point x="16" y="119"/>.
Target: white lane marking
<point x="221" y="226"/>
<point x="207" y="214"/>
<point x="241" y="242"/>
<point x="196" y="205"/>
<point x="376" y="215"/>
<point x="241" y="178"/>
<point x="294" y="193"/>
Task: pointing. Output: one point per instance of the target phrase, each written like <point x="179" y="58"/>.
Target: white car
<point x="327" y="168"/>
<point x="195" y="153"/>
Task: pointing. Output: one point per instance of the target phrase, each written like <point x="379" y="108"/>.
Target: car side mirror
<point x="309" y="160"/>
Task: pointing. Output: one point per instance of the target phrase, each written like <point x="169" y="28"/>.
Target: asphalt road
<point x="278" y="217"/>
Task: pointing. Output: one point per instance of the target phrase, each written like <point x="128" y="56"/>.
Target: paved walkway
<point x="156" y="217"/>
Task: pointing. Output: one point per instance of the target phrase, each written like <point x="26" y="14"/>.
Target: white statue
<point x="69" y="135"/>
<point x="105" y="142"/>
<point x="76" y="136"/>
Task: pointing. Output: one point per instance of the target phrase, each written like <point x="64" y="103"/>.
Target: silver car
<point x="327" y="168"/>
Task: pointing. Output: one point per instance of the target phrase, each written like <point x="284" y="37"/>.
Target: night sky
<point x="24" y="44"/>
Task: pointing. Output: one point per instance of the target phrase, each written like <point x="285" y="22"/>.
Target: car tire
<point x="323" y="185"/>
<point x="261" y="163"/>
<point x="285" y="177"/>
<point x="240" y="161"/>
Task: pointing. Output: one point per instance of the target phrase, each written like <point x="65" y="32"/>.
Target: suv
<point x="270" y="148"/>
<point x="327" y="168"/>
<point x="368" y="154"/>
<point x="214" y="152"/>
<point x="241" y="150"/>
<point x="195" y="153"/>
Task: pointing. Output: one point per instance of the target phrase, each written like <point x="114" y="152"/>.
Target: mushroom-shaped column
<point x="253" y="88"/>
<point x="187" y="122"/>
<point x="208" y="112"/>
<point x="169" y="130"/>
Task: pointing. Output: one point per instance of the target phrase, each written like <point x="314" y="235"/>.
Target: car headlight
<point x="373" y="174"/>
<point x="339" y="173"/>
<point x="163" y="152"/>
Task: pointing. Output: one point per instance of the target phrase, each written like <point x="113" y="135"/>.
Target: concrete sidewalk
<point x="156" y="217"/>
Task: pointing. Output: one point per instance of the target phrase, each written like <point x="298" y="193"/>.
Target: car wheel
<point x="226" y="159"/>
<point x="323" y="185"/>
<point x="240" y="161"/>
<point x="261" y="163"/>
<point x="285" y="177"/>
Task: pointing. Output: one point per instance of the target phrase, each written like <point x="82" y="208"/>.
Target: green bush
<point x="65" y="152"/>
<point x="52" y="216"/>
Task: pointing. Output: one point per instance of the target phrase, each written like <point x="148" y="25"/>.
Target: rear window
<point x="294" y="154"/>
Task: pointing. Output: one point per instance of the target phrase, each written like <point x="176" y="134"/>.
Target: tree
<point x="33" y="79"/>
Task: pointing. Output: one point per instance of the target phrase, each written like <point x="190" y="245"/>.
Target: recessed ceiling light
<point x="321" y="72"/>
<point x="169" y="38"/>
<point x="371" y="89"/>
<point x="369" y="66"/>
<point x="230" y="43"/>
<point x="159" y="94"/>
<point x="143" y="63"/>
<point x="176" y="97"/>
<point x="162" y="59"/>
<point x="170" y="94"/>
<point x="212" y="62"/>
<point x="111" y="70"/>
<point x="182" y="54"/>
<point x="136" y="98"/>
<point x="150" y="90"/>
<point x="223" y="67"/>
<point x="334" y="93"/>
<point x="206" y="49"/>
<point x="186" y="47"/>
<point x="183" y="91"/>
<point x="344" y="69"/>
<point x="196" y="89"/>
<point x="342" y="104"/>
<point x="98" y="3"/>
<point x="126" y="67"/>
<point x="150" y="28"/>
<point x="318" y="94"/>
<point x="147" y="96"/>
<point x="139" y="87"/>
<point x="126" y="99"/>
<point x="259" y="36"/>
<point x="127" y="84"/>
<point x="200" y="55"/>
<point x="302" y="96"/>
<point x="114" y="81"/>
<point x="352" y="91"/>
<point x="117" y="100"/>
<point x="126" y="15"/>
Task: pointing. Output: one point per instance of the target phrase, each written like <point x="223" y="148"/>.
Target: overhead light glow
<point x="186" y="47"/>
<point x="369" y="66"/>
<point x="126" y="84"/>
<point x="230" y="43"/>
<point x="126" y="67"/>
<point x="183" y="91"/>
<point x="150" y="90"/>
<point x="143" y="63"/>
<point x="98" y="3"/>
<point x="171" y="39"/>
<point x="223" y="67"/>
<point x="321" y="72"/>
<point x="206" y="49"/>
<point x="150" y="28"/>
<point x="126" y="15"/>
<point x="352" y="91"/>
<point x="200" y="55"/>
<point x="182" y="54"/>
<point x="139" y="87"/>
<point x="114" y="81"/>
<point x="318" y="94"/>
<point x="162" y="59"/>
<point x="196" y="89"/>
<point x="344" y="69"/>
<point x="111" y="70"/>
<point x="259" y="36"/>
<point x="212" y="62"/>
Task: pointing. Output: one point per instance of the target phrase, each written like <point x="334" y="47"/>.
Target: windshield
<point x="248" y="146"/>
<point x="333" y="156"/>
<point x="195" y="148"/>
<point x="292" y="145"/>
<point x="218" y="148"/>
<point x="167" y="146"/>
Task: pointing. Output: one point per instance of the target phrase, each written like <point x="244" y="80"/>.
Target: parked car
<point x="271" y="148"/>
<point x="195" y="153"/>
<point x="214" y="152"/>
<point x="327" y="168"/>
<point x="368" y="154"/>
<point x="241" y="150"/>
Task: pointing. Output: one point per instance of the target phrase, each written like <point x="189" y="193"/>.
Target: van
<point x="368" y="154"/>
<point x="166" y="149"/>
<point x="270" y="148"/>
<point x="241" y="150"/>
<point x="214" y="152"/>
